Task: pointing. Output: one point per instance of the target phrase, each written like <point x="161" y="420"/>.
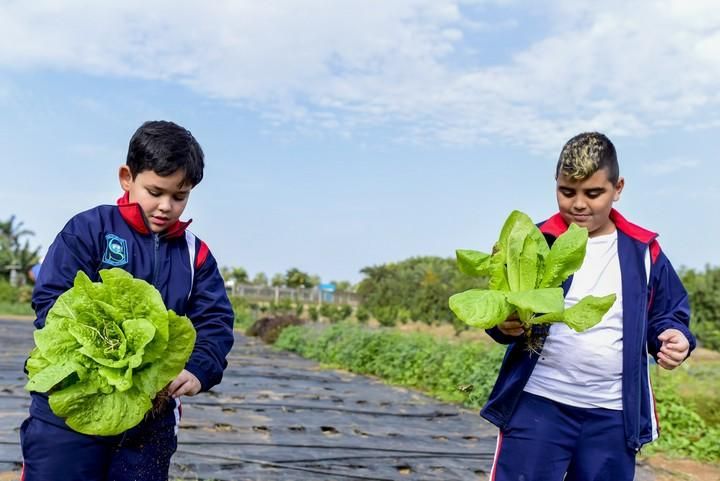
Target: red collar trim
<point x="555" y="226"/>
<point x="133" y="215"/>
<point x="635" y="231"/>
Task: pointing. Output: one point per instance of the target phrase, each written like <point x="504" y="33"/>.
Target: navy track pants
<point x="550" y="441"/>
<point x="55" y="453"/>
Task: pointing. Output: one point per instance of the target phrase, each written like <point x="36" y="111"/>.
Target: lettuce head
<point x="106" y="350"/>
<point x="525" y="277"/>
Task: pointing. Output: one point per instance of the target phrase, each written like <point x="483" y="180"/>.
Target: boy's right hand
<point x="512" y="326"/>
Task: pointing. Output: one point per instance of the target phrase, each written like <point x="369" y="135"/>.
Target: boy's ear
<point x="618" y="188"/>
<point x="125" y="177"/>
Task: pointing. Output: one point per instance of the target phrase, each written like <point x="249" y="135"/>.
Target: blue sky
<point x="345" y="134"/>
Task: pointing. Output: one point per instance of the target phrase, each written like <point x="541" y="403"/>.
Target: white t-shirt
<point x="584" y="369"/>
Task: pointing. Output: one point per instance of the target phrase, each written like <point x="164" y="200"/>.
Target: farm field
<point x="278" y="416"/>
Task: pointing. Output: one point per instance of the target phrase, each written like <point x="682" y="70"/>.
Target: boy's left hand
<point x="674" y="348"/>
<point x="186" y="384"/>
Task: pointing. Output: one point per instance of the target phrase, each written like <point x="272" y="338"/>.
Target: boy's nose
<point x="164" y="205"/>
<point x="579" y="204"/>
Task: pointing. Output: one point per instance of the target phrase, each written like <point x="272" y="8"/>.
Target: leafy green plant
<point x="525" y="278"/>
<point x="243" y="311"/>
<point x="362" y="315"/>
<point x="106" y="350"/>
<point x="683" y="431"/>
<point x="16" y="309"/>
<point x="704" y="290"/>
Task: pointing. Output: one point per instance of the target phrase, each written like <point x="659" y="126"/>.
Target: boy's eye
<point x="180" y="198"/>
<point x="154" y="193"/>
<point x="567" y="193"/>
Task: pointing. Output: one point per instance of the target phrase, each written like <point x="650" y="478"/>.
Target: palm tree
<point x="14" y="253"/>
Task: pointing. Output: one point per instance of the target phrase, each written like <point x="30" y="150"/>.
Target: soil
<point x="670" y="469"/>
<point x="269" y="328"/>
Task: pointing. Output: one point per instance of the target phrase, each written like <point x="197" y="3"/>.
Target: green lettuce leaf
<point x="566" y="256"/>
<point x="473" y="263"/>
<point x="480" y="308"/>
<point x="106" y="350"/>
<point x="587" y="313"/>
<point x="498" y="269"/>
<point x="536" y="301"/>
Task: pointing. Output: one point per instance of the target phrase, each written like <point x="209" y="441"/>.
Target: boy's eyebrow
<point x="590" y="189"/>
<point x="156" y="187"/>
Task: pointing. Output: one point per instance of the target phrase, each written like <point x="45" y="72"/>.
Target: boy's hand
<point x="511" y="326"/>
<point x="674" y="348"/>
<point x="186" y="384"/>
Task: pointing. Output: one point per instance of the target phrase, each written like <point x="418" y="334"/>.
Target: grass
<point x="697" y="382"/>
<point x="16" y="309"/>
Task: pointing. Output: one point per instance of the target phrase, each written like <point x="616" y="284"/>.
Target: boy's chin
<point x="158" y="229"/>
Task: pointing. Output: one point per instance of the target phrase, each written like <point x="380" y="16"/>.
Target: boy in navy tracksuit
<point x="144" y="235"/>
<point x="581" y="406"/>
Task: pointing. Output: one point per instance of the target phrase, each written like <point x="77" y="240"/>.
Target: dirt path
<point x="280" y="417"/>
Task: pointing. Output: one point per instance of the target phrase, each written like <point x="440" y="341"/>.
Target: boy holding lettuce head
<point x="144" y="236"/>
<point x="580" y="406"/>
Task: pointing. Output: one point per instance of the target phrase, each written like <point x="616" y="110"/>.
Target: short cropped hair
<point x="585" y="154"/>
<point x="165" y="147"/>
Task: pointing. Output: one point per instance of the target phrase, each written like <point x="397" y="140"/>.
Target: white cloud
<point x="628" y="68"/>
<point x="670" y="166"/>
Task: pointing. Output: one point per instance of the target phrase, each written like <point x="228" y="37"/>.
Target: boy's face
<point x="588" y="202"/>
<point x="162" y="199"/>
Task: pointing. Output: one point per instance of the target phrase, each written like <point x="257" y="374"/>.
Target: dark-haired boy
<point x="581" y="407"/>
<point x="144" y="235"/>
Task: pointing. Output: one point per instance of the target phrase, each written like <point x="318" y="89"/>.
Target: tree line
<point x="293" y="277"/>
<point x="418" y="288"/>
<point x="414" y="289"/>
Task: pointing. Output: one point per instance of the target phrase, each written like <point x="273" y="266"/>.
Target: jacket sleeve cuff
<point x="654" y="343"/>
<point x="205" y="383"/>
<point x="501" y="338"/>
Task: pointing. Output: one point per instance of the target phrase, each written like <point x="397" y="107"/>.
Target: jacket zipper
<point x="643" y="372"/>
<point x="156" y="261"/>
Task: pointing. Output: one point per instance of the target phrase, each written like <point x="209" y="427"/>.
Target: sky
<point x="345" y="134"/>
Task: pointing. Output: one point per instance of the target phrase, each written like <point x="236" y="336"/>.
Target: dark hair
<point x="165" y="147"/>
<point x="585" y="154"/>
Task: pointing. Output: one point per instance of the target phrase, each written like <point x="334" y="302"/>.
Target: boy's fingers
<point x="676" y="344"/>
<point x="673" y="336"/>
<point x="666" y="362"/>
<point x="177" y="382"/>
<point x="675" y="356"/>
<point x="181" y="390"/>
<point x="186" y="386"/>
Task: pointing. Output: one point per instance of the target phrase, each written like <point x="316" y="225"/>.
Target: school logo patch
<point x="116" y="251"/>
